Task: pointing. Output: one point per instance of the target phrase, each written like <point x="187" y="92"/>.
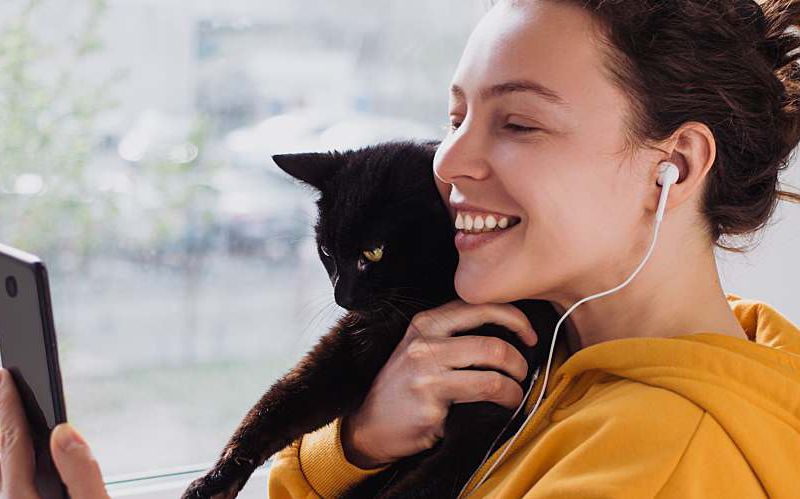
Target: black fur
<point x="381" y="195"/>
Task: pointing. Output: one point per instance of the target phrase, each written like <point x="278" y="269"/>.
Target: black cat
<point x="386" y="240"/>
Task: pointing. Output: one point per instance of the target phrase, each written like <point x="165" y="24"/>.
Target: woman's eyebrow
<point x="515" y="86"/>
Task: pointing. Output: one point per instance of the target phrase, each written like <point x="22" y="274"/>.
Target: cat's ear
<point x="313" y="168"/>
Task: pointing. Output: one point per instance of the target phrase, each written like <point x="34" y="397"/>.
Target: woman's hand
<point x="405" y="409"/>
<point x="75" y="464"/>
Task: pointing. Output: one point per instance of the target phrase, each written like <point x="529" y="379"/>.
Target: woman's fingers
<point x="458" y="315"/>
<point x="77" y="468"/>
<point x="76" y="465"/>
<point x="17" y="462"/>
<point x="472" y="351"/>
<point x="477" y="386"/>
<point x="429" y="342"/>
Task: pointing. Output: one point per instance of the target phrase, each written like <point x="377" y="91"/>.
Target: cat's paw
<point x="199" y="489"/>
<point x="202" y="488"/>
<point x="223" y="482"/>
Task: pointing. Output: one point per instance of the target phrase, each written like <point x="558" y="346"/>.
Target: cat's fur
<point x="378" y="195"/>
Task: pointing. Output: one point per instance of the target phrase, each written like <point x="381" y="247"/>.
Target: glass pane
<point x="135" y="143"/>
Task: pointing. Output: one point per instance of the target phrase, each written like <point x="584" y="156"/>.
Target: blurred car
<point x="260" y="214"/>
<point x="319" y="129"/>
<point x="264" y="209"/>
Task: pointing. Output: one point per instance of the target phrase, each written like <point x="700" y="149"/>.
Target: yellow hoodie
<point x="701" y="415"/>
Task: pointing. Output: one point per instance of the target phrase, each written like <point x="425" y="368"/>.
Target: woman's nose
<point x="462" y="154"/>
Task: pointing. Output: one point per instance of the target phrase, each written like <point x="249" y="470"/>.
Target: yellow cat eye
<point x="375" y="255"/>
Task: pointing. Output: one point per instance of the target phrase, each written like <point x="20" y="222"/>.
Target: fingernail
<point x="70" y="439"/>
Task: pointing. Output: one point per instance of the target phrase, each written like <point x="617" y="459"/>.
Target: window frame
<point x="169" y="483"/>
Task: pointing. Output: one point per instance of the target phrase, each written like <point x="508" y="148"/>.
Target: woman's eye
<point x="520" y="128"/>
<point x="453" y="125"/>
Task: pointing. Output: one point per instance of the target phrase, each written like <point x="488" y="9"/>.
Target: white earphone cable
<point x="659" y="216"/>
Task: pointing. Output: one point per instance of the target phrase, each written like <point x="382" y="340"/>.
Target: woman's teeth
<point x="481" y="223"/>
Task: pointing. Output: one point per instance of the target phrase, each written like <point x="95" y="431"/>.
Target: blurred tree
<point x="47" y="136"/>
<point x="182" y="228"/>
<point x="178" y="222"/>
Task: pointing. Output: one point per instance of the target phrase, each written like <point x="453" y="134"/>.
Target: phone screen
<point x="28" y="350"/>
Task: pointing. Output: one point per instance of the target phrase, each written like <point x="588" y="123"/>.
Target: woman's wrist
<point x="353" y="451"/>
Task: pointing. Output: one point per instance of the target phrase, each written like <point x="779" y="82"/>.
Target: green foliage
<point x="52" y="200"/>
<point x="47" y="137"/>
<point x="184" y="217"/>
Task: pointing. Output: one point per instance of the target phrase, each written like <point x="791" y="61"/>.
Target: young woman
<point x="562" y="113"/>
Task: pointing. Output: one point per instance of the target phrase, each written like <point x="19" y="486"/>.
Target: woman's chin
<point x="474" y="287"/>
<point x="475" y="284"/>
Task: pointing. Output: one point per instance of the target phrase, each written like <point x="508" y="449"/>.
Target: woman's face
<point x="556" y="164"/>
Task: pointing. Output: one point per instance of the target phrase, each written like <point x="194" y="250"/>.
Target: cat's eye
<point x="324" y="250"/>
<point x="374" y="255"/>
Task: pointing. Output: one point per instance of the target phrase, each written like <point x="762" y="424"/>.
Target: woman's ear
<point x="693" y="150"/>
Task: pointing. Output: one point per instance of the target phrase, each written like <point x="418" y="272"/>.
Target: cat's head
<point x="383" y="232"/>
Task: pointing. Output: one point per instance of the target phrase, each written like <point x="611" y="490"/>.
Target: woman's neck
<point x="677" y="292"/>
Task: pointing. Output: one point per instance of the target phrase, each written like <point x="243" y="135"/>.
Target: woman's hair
<point x="730" y="64"/>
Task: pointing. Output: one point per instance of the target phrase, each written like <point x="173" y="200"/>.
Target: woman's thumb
<point x="76" y="465"/>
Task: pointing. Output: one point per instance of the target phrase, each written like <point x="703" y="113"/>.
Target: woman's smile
<point x="466" y="240"/>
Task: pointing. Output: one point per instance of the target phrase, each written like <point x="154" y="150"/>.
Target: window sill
<point x="170" y="483"/>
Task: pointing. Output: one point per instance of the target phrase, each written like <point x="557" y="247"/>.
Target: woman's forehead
<point x="548" y="43"/>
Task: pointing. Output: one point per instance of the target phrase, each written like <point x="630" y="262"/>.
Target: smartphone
<point x="28" y="350"/>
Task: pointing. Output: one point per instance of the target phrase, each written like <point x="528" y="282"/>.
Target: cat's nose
<point x="344" y="297"/>
<point x="352" y="298"/>
<point x="345" y="301"/>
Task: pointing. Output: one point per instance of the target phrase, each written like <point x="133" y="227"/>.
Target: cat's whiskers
<point x="325" y="309"/>
<point x="396" y="309"/>
<point x="395" y="293"/>
<point x="414" y="301"/>
<point x="315" y="301"/>
<point x="323" y="301"/>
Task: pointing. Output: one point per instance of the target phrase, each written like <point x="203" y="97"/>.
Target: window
<point x="135" y="138"/>
<point x="135" y="143"/>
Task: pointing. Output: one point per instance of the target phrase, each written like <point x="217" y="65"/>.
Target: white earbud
<point x="668" y="175"/>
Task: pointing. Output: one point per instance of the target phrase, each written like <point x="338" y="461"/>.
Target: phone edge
<point x="51" y="343"/>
